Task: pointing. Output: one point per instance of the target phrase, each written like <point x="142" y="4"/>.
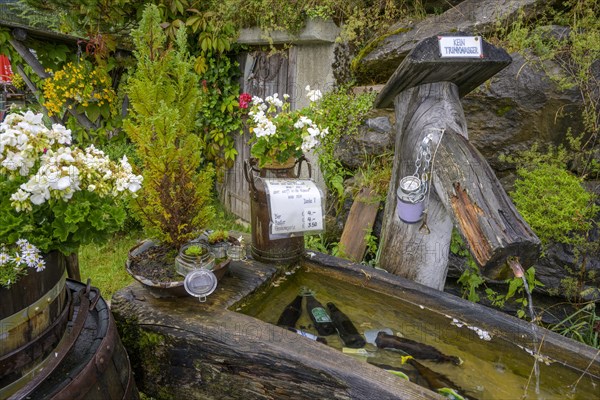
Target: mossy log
<point x="183" y="349"/>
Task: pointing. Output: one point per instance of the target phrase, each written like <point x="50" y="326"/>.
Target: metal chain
<point x="422" y="164"/>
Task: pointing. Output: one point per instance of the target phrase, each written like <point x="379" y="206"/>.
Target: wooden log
<point x="416" y="251"/>
<point x="467" y="195"/>
<point x="464" y="191"/>
<point x="203" y="351"/>
<point x="486" y="217"/>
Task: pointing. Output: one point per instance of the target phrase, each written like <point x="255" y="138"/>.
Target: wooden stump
<point x="416" y="251"/>
<point x="463" y="191"/>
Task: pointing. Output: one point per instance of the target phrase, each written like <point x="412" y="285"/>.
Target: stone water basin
<point x="229" y="346"/>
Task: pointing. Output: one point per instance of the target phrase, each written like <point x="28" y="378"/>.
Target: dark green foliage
<point x="59" y="225"/>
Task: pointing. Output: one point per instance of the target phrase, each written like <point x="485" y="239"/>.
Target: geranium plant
<point x="280" y="133"/>
<point x="57" y="196"/>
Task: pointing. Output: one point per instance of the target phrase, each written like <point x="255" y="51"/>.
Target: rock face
<point x="375" y="137"/>
<point x="472" y="16"/>
<point x="519" y="106"/>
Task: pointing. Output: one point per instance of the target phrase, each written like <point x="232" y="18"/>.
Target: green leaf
<point x="514" y="284"/>
<point x="77" y="212"/>
<point x="105" y="110"/>
<point x="62" y="229"/>
<point x="93" y="112"/>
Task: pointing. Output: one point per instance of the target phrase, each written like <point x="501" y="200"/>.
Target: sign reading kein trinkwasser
<point x="460" y="46"/>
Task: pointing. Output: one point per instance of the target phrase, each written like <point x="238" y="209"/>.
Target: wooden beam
<point x="33" y="89"/>
<point x="29" y="57"/>
<point x="38" y="68"/>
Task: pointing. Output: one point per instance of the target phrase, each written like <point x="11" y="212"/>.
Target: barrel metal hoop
<point x="57" y="328"/>
<point x="11" y="388"/>
<point x="38" y="306"/>
<point x="130" y="381"/>
<point x="61" y="351"/>
<point x="95" y="367"/>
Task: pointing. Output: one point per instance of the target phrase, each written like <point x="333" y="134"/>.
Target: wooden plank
<point x="359" y="222"/>
<point x="425" y="65"/>
<point x="264" y="75"/>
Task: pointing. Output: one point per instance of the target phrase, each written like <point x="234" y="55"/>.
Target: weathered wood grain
<point x="416" y="251"/>
<point x="486" y="217"/>
<point x="198" y="350"/>
<point x="425" y="65"/>
<point x="466" y="194"/>
<point x="184" y="349"/>
<point x="359" y="222"/>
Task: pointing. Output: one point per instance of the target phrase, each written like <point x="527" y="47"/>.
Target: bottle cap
<point x="200" y="283"/>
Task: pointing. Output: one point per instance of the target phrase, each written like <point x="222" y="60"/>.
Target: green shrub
<point x="555" y="205"/>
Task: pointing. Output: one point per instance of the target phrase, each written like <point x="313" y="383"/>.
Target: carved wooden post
<point x="464" y="191"/>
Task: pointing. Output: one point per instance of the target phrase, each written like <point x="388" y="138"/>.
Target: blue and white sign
<point x="460" y="46"/>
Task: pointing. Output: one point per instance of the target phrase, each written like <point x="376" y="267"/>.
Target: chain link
<point x="422" y="164"/>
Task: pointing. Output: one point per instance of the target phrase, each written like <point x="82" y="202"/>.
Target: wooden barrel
<point x="33" y="317"/>
<point x="95" y="366"/>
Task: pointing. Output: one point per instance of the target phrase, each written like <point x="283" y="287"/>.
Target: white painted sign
<point x="460" y="46"/>
<point x="295" y="206"/>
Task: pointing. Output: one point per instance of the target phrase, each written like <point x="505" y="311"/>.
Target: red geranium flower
<point x="245" y="99"/>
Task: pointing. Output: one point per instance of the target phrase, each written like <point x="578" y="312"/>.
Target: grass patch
<point x="105" y="264"/>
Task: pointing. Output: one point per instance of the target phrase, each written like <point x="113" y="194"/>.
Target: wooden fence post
<point x="463" y="192"/>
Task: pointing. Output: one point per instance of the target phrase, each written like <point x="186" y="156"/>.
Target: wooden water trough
<point x="181" y="348"/>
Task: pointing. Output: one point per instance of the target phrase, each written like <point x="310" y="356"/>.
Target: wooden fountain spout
<point x="461" y="188"/>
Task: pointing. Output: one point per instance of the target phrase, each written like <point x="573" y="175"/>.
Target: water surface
<point x="494" y="369"/>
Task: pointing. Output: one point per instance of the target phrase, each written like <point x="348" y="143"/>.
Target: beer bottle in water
<point x="321" y="320"/>
<point x="291" y="313"/>
<point x="345" y="328"/>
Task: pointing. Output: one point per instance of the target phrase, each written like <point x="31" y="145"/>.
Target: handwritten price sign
<point x="295" y="206"/>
